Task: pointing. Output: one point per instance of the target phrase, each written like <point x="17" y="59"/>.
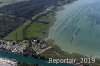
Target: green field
<point x="18" y="33"/>
<point x="48" y="18"/>
<point x="34" y="30"/>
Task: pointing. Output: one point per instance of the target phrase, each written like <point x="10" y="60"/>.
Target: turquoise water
<point x="77" y="28"/>
<point x="21" y="58"/>
<point x="30" y="60"/>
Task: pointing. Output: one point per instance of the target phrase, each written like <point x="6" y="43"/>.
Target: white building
<point x="7" y="62"/>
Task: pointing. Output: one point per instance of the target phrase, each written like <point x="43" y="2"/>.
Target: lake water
<point x="77" y="28"/>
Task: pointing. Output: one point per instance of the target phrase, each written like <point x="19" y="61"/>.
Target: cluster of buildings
<point x="40" y="46"/>
<point x="49" y="9"/>
<point x="37" y="46"/>
<point x="13" y="46"/>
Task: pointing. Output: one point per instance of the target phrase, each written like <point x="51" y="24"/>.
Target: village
<point x="37" y="46"/>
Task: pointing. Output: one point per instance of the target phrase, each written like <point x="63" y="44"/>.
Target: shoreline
<point x="57" y="9"/>
<point x="88" y="55"/>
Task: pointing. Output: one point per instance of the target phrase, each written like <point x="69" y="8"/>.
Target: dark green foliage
<point x="8" y="24"/>
<point x="27" y="9"/>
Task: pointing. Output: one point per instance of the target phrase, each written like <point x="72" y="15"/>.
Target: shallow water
<point x="77" y="28"/>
